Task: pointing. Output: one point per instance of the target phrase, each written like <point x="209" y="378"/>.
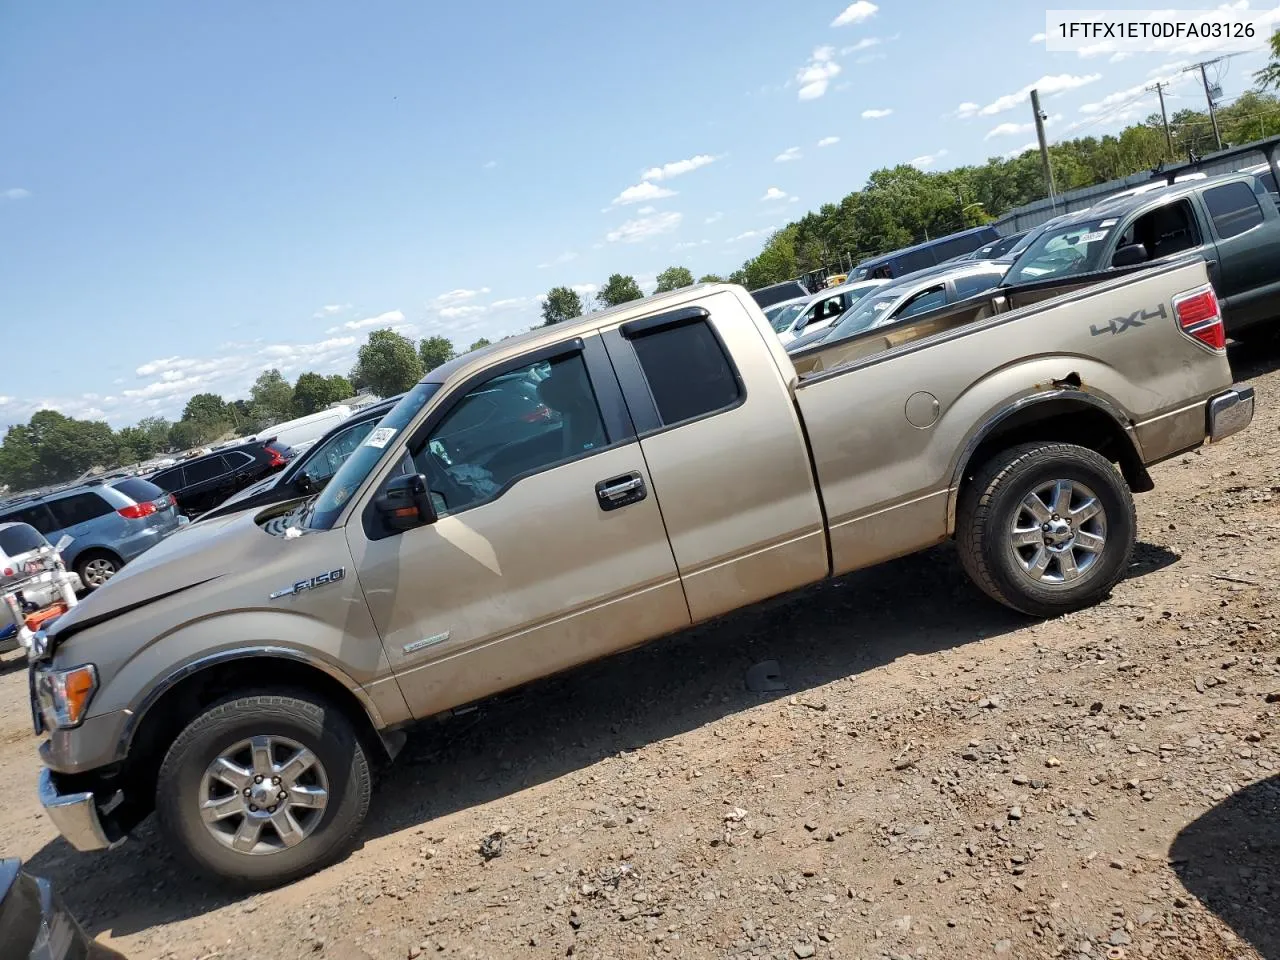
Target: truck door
<point x="723" y="440"/>
<point x="549" y="549"/>
<point x="1248" y="242"/>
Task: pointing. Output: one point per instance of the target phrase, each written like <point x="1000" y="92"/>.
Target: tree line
<point x="898" y="206"/>
<point x="903" y="205"/>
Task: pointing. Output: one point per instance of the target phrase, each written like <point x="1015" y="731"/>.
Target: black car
<point x="308" y="472"/>
<point x="203" y="482"/>
<point x="35" y="924"/>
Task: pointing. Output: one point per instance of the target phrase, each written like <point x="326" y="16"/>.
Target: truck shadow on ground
<point x="1229" y="859"/>
<point x="914" y="606"/>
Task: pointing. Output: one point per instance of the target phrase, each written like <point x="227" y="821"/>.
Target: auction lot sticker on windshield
<point x="380" y="436"/>
<point x="1084" y="238"/>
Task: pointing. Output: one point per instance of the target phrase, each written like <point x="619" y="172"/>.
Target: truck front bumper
<point x="1229" y="412"/>
<point x="74" y="814"/>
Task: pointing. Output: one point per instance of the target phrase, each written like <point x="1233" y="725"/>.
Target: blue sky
<point x="194" y="192"/>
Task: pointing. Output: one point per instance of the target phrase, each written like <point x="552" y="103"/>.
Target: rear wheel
<point x="1046" y="528"/>
<point x="262" y="790"/>
<point x="96" y="567"/>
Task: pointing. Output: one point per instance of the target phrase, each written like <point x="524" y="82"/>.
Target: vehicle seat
<point x="568" y="392"/>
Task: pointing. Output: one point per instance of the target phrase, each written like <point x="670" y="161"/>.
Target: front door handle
<point x="620" y="491"/>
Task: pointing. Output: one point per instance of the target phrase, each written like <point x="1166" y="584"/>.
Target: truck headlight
<point x="64" y="695"/>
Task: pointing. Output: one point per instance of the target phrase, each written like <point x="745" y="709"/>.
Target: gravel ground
<point x="940" y="778"/>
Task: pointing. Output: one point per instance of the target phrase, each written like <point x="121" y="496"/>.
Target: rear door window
<point x="201" y="471"/>
<point x="170" y="480"/>
<point x="78" y="508"/>
<point x="975" y="283"/>
<point x="922" y="302"/>
<point x="235" y="459"/>
<point x="687" y="369"/>
<point x="1234" y="209"/>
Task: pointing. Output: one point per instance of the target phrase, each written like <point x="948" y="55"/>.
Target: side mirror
<point x="1130" y="255"/>
<point x="304" y="483"/>
<point x="406" y="503"/>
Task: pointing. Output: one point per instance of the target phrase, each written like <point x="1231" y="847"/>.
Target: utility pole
<point x="1044" y="146"/>
<point x="1204" y="78"/>
<point x="1168" y="138"/>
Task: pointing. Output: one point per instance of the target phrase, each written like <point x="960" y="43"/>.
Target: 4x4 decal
<point x="1138" y="318"/>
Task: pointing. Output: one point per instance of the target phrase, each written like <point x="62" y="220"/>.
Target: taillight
<point x="136" y="511"/>
<point x="1200" y="317"/>
<point x="8" y="571"/>
<point x="277" y="458"/>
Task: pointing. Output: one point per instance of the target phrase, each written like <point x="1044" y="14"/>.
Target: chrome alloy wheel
<point x="1059" y="532"/>
<point x="263" y="795"/>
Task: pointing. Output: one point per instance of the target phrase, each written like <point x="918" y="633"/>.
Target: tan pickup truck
<point x="586" y="488"/>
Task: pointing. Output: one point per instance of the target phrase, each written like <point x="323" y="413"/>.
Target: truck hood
<point x="194" y="555"/>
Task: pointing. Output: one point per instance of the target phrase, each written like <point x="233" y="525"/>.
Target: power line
<point x="1204" y="77"/>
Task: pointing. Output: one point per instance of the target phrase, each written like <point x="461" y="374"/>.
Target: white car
<point x="27" y="568"/>
<point x="818" y="312"/>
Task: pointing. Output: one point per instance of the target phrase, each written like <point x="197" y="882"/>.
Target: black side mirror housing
<point x="304" y="484"/>
<point x="1130" y="255"/>
<point x="405" y="504"/>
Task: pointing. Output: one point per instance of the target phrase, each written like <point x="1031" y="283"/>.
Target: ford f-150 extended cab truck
<point x="240" y="678"/>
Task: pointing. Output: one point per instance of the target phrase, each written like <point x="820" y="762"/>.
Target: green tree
<point x="54" y="448"/>
<point x="157" y="431"/>
<point x="482" y="342"/>
<point x="673" y="278"/>
<point x="561" y="304"/>
<point x="388" y="363"/>
<point x="186" y="434"/>
<point x="133" y="445"/>
<point x="206" y="408"/>
<point x="271" y="398"/>
<point x="19" y="459"/>
<point x="619" y="289"/>
<point x="1269" y="76"/>
<point x="435" y="351"/>
<point x="314" y="392"/>
<point x="710" y="278"/>
<point x="340" y="387"/>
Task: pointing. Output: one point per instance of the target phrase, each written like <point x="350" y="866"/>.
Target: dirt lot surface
<point x="940" y="778"/>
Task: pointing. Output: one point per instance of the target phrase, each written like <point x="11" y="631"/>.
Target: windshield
<point x="356" y="468"/>
<point x="1074" y="248"/>
<point x="868" y="313"/>
<point x="785" y="316"/>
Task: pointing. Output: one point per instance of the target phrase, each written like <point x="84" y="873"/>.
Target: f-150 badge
<point x="320" y="580"/>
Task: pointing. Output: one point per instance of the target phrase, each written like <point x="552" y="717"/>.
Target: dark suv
<point x="203" y="482"/>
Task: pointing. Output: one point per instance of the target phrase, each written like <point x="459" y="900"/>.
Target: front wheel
<point x="1046" y="528"/>
<point x="262" y="790"/>
<point x="95" y="568"/>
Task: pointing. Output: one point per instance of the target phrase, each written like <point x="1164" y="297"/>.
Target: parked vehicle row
<point x="586" y="488"/>
<point x="201" y="483"/>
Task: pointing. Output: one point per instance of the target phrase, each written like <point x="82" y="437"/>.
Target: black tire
<point x="308" y="721"/>
<point x="992" y="501"/>
<point x="96" y="567"/>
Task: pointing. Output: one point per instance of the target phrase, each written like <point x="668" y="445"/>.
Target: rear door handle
<point x="620" y="491"/>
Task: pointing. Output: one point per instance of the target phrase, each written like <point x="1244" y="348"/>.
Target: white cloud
<point x="1137" y="91"/>
<point x="929" y="159"/>
<point x="459" y="295"/>
<point x="646" y="210"/>
<point x="508" y="302"/>
<point x="329" y="309"/>
<point x="1038" y="38"/>
<point x="1186" y="46"/>
<point x="751" y="234"/>
<point x="1168" y="68"/>
<point x="856" y="12"/>
<point x="791" y="153"/>
<point x="876" y="114"/>
<point x="690" y="244"/>
<point x="865" y="58"/>
<point x="866" y="43"/>
<point x="387" y="319"/>
<point x="677" y="167"/>
<point x="773" y="193"/>
<point x="1047" y="85"/>
<point x="465" y="310"/>
<point x="715" y="217"/>
<point x="641" y="193"/>
<point x="644" y="228"/>
<point x="489" y="165"/>
<point x="583" y="289"/>
<point x="1033" y="145"/>
<point x="1011" y="129"/>
<point x="828" y="141"/>
<point x="815" y="76"/>
<point x="17" y="193"/>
